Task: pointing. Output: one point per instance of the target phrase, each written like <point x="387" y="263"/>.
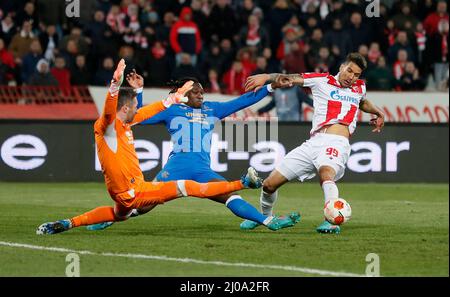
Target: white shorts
<point x="320" y="150"/>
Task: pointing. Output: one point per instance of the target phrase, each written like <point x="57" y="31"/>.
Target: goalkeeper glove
<point x="117" y="80"/>
<point x="180" y="95"/>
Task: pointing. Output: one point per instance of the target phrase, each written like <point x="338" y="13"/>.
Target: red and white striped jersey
<point x="333" y="103"/>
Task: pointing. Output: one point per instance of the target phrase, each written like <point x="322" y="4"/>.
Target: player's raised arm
<point x="255" y="82"/>
<point x="110" y="108"/>
<point x="224" y="109"/>
<point x="367" y="106"/>
<point x="150" y="110"/>
<point x="136" y="81"/>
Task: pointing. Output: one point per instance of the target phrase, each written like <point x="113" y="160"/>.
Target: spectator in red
<point x="421" y="40"/>
<point x="158" y="59"/>
<point x="234" y="79"/>
<point x="185" y="37"/>
<point x="285" y="46"/>
<point x="390" y="32"/>
<point x="116" y="20"/>
<point x="7" y="63"/>
<point x="6" y="57"/>
<point x="245" y="55"/>
<point x="61" y="73"/>
<point x="399" y="66"/>
<point x="294" y="60"/>
<point x="432" y="21"/>
<point x="131" y="21"/>
<point x="254" y="35"/>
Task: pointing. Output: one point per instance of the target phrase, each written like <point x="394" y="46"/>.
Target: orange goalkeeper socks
<point x="211" y="189"/>
<point x="98" y="215"/>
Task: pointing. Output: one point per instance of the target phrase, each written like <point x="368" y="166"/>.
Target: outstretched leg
<point x="268" y="197"/>
<point x="98" y="215"/>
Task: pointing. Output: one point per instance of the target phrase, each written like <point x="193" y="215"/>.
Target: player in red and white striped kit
<point x="337" y="101"/>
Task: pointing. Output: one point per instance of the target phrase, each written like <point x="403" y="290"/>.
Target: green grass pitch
<point x="405" y="224"/>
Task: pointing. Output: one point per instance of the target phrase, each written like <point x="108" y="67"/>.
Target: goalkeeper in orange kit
<point x="120" y="165"/>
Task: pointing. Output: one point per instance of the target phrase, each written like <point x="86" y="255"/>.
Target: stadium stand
<point x="47" y="102"/>
<point x="223" y="41"/>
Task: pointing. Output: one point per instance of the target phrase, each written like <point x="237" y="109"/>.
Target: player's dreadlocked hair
<point x="126" y="95"/>
<point x="176" y="84"/>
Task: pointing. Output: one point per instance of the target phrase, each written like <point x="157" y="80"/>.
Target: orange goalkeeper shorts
<point x="146" y="193"/>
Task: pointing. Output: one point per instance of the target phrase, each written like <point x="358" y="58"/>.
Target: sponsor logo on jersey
<point x="336" y="96"/>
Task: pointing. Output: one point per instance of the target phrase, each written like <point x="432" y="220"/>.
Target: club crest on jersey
<point x="129" y="135"/>
<point x="336" y="96"/>
<point x="357" y="89"/>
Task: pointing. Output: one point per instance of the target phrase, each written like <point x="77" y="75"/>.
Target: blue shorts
<point x="178" y="168"/>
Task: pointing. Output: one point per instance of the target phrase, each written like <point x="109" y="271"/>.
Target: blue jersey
<point x="191" y="130"/>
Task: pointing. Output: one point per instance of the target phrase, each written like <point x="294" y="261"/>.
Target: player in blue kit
<point x="191" y="124"/>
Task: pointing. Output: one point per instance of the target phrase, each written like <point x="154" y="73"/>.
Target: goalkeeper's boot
<point x="327" y="227"/>
<point x="278" y="223"/>
<point x="99" y="226"/>
<point x="54" y="227"/>
<point x="251" y="179"/>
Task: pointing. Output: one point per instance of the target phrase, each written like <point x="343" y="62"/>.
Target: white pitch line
<point x="182" y="260"/>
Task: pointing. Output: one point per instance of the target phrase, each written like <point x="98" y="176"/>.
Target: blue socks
<point x="245" y="210"/>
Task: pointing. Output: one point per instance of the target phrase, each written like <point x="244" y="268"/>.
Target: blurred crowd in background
<point x="222" y="42"/>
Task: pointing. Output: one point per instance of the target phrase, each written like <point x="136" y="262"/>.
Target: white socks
<point x="267" y="220"/>
<point x="330" y="190"/>
<point x="267" y="200"/>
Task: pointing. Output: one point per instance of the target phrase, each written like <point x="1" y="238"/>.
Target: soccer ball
<point x="337" y="211"/>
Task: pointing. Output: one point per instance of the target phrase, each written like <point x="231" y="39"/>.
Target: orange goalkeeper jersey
<point x="115" y="146"/>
